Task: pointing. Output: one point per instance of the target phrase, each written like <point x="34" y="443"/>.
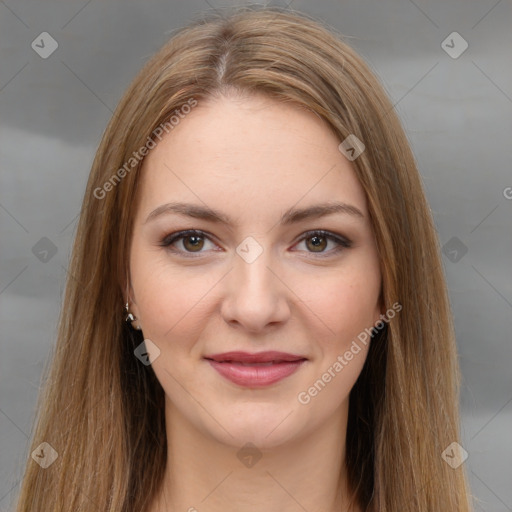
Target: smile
<point x="255" y="370"/>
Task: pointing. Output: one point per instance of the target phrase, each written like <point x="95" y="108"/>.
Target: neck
<point x="203" y="474"/>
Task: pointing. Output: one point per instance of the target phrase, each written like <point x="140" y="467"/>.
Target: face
<point x="233" y="250"/>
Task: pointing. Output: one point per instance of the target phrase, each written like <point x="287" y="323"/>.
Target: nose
<point x="256" y="295"/>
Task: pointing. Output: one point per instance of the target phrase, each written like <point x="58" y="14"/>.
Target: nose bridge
<point x="252" y="266"/>
<point x="255" y="296"/>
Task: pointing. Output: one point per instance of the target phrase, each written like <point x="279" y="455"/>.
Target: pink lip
<point x="237" y="367"/>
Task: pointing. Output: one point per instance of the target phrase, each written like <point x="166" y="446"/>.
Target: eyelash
<point x="343" y="243"/>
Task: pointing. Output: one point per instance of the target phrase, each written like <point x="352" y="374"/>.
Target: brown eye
<point x="318" y="243"/>
<point x="196" y="243"/>
<point x="186" y="242"/>
<point x="193" y="241"/>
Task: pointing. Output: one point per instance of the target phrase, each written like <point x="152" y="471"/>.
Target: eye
<point x="193" y="241"/>
<point x="317" y="242"/>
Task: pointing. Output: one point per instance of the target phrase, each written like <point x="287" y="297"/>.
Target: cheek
<point x="345" y="301"/>
<point x="170" y="300"/>
<point x="347" y="304"/>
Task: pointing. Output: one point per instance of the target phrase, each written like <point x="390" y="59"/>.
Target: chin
<point x="266" y="425"/>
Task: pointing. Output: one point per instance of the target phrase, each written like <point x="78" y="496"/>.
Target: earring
<point x="130" y="317"/>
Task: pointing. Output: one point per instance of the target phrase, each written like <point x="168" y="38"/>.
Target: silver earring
<point x="130" y="317"/>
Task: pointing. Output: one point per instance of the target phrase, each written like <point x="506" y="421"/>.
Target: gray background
<point x="457" y="113"/>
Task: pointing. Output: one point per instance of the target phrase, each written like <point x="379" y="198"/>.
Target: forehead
<point x="252" y="153"/>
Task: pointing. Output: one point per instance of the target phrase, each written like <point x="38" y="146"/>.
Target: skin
<point x="252" y="159"/>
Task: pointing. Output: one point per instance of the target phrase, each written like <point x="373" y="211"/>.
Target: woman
<point x="257" y="316"/>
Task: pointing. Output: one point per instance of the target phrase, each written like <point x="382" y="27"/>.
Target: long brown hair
<point x="103" y="411"/>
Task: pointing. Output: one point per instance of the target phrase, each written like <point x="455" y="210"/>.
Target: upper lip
<point x="258" y="357"/>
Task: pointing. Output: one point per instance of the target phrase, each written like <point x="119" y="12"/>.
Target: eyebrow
<point x="291" y="216"/>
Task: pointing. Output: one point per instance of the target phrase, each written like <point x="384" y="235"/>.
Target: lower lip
<point x="256" y="376"/>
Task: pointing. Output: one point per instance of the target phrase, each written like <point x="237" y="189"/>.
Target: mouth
<point x="255" y="370"/>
